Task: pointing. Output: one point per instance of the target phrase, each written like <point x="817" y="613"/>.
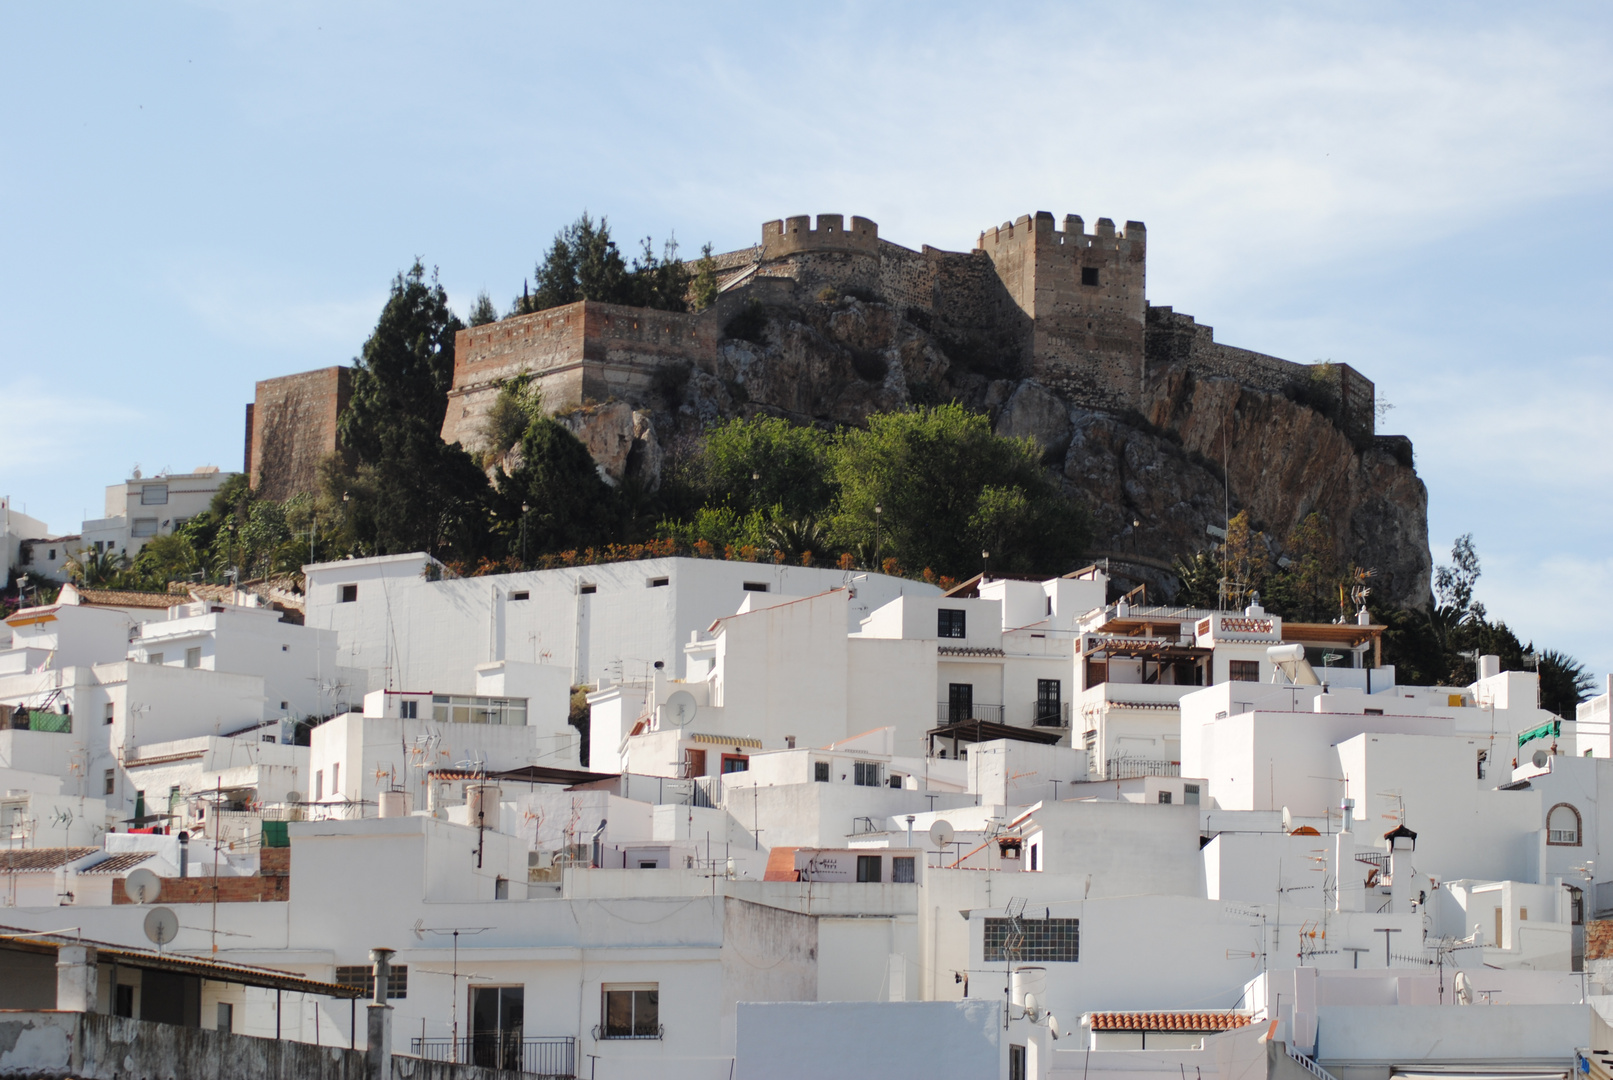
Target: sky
<point x="197" y="196"/>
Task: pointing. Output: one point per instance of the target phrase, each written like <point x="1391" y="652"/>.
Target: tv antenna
<point x="420" y="932"/>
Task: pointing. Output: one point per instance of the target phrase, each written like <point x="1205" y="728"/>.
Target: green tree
<point x="519" y="402"/>
<point x="763" y="462"/>
<point x="583" y="263"/>
<point x="406" y="367"/>
<point x="1199" y="580"/>
<point x="661" y="283"/>
<point x="948" y="488"/>
<point x="1308" y="588"/>
<point x="482" y="311"/>
<point x="558" y="494"/>
<point x="703" y="291"/>
<point x="1564" y="683"/>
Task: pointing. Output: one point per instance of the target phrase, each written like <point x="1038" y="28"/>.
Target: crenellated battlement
<point x="796" y="234"/>
<point x="1042" y="227"/>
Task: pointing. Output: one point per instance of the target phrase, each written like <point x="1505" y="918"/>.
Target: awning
<point x="978" y="731"/>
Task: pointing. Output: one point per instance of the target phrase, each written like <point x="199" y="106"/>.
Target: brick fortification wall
<point x="291" y="427"/>
<point x="579" y="352"/>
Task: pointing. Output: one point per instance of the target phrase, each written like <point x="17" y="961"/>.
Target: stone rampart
<point x="796" y="234"/>
<point x="292" y="427"/>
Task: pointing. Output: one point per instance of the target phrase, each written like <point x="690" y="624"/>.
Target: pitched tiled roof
<point x="1168" y="1021"/>
<point x="119" y="598"/>
<point x="45" y="858"/>
<point x="781" y="865"/>
<point x="121" y="863"/>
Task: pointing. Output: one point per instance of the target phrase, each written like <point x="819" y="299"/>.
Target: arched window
<point x="1562" y="826"/>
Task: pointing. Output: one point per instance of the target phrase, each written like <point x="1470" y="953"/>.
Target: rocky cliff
<point x="1153" y="479"/>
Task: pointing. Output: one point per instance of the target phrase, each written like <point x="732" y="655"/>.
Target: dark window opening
<point x="867" y="774"/>
<point x="1089" y="275"/>
<point x="735" y="763"/>
<point x="960" y="702"/>
<point x="587" y="588"/>
<point x="1244" y="670"/>
<point x="950" y="623"/>
<point x="870" y="868"/>
<point x="522" y="595"/>
<point x="349" y="594"/>
<point x="659" y="582"/>
<point x="1049" y="710"/>
<point x="820" y="772"/>
<point x="755" y="586"/>
<point x="632" y="1012"/>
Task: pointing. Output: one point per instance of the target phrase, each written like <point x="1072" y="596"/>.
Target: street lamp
<point x="879" y="512"/>
<point x="524" y="509"/>
<point x="985" y="564"/>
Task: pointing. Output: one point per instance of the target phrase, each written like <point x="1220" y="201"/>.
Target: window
<point x="902" y="869"/>
<point x="1562" y="826"/>
<point x="960" y="702"/>
<point x="1048" y="695"/>
<point x="154" y="495"/>
<point x="659" y="582"/>
<point x="1036" y="856"/>
<point x="755" y="586"/>
<point x="346" y="594"/>
<point x="1040" y="940"/>
<point x="1372" y="712"/>
<point x="362" y="977"/>
<point x="866" y="774"/>
<point x="284" y="705"/>
<point x="501" y="888"/>
<point x="138" y="527"/>
<point x="1190" y="794"/>
<point x="123" y="1000"/>
<point x="820" y="771"/>
<point x="409" y="710"/>
<point x="110" y="712"/>
<point x="1244" y="670"/>
<point x="226" y="1016"/>
<point x="631" y="1011"/>
<point x="319" y="784"/>
<point x="735" y="763"/>
<point x="870" y="868"/>
<point x="522" y="595"/>
<point x="111" y="781"/>
<point x="1016" y="1062"/>
<point x="154" y="658"/>
<point x="193" y="657"/>
<point x="950" y="623"/>
<point x="895" y="781"/>
<point x="587" y="587"/>
<point x="1164" y="798"/>
<point x="1089" y="275"/>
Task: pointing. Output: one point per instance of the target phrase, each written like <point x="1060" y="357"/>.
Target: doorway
<point x="496" y="1017"/>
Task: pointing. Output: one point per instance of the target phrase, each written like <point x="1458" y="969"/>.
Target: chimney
<point x="77" y="989"/>
<point x="379" y="1016"/>
<point x="184" y="853"/>
<point x="1489" y="666"/>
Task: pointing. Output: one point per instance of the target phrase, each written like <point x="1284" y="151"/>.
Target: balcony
<point x="1051" y="714"/>
<point x="953" y="712"/>
<point x="1132" y="768"/>
<point x="553" y="1056"/>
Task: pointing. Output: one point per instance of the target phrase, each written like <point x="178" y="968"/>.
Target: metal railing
<point x="549" y="1056"/>
<point x="1051" y="714"/>
<point x="1308" y="1064"/>
<point x="1132" y="768"/>
<point x="949" y="712"/>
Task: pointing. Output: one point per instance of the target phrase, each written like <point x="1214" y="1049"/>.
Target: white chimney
<point x="1489" y="666"/>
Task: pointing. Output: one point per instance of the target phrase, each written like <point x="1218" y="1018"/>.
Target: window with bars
<point x="867" y="773"/>
<point x="902" y="869"/>
<point x="950" y="623"/>
<point x="632" y="1011"/>
<point x="1243" y="670"/>
<point x="1039" y="940"/>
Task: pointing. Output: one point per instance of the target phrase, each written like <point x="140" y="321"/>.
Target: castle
<point x="1064" y="307"/>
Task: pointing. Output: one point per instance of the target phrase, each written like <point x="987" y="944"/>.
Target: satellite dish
<point x="941" y="834"/>
<point x="293" y="796"/>
<point x="679" y="709"/>
<point x="1539" y="759"/>
<point x="141" y="886"/>
<point x="1052" y="1025"/>
<point x="1032" y="1008"/>
<point x="1464" y="988"/>
<point x="1288" y="820"/>
<point x="162" y="925"/>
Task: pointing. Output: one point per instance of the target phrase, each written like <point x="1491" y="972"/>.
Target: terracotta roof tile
<point x="119" y="863"/>
<point x="41" y="858"/>
<point x="1599" y="939"/>
<point x="119" y="598"/>
<point x="781" y="865"/>
<point x="1168" y="1021"/>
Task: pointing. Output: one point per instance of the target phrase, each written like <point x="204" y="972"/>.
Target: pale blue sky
<point x="197" y="196"/>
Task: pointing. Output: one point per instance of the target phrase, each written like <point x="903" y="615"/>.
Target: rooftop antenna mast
<point x="420" y="932"/>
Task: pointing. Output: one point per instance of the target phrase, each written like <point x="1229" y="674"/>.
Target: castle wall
<point x="291" y="427"/>
<point x="579" y="352"/>
<point x="1177" y="339"/>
